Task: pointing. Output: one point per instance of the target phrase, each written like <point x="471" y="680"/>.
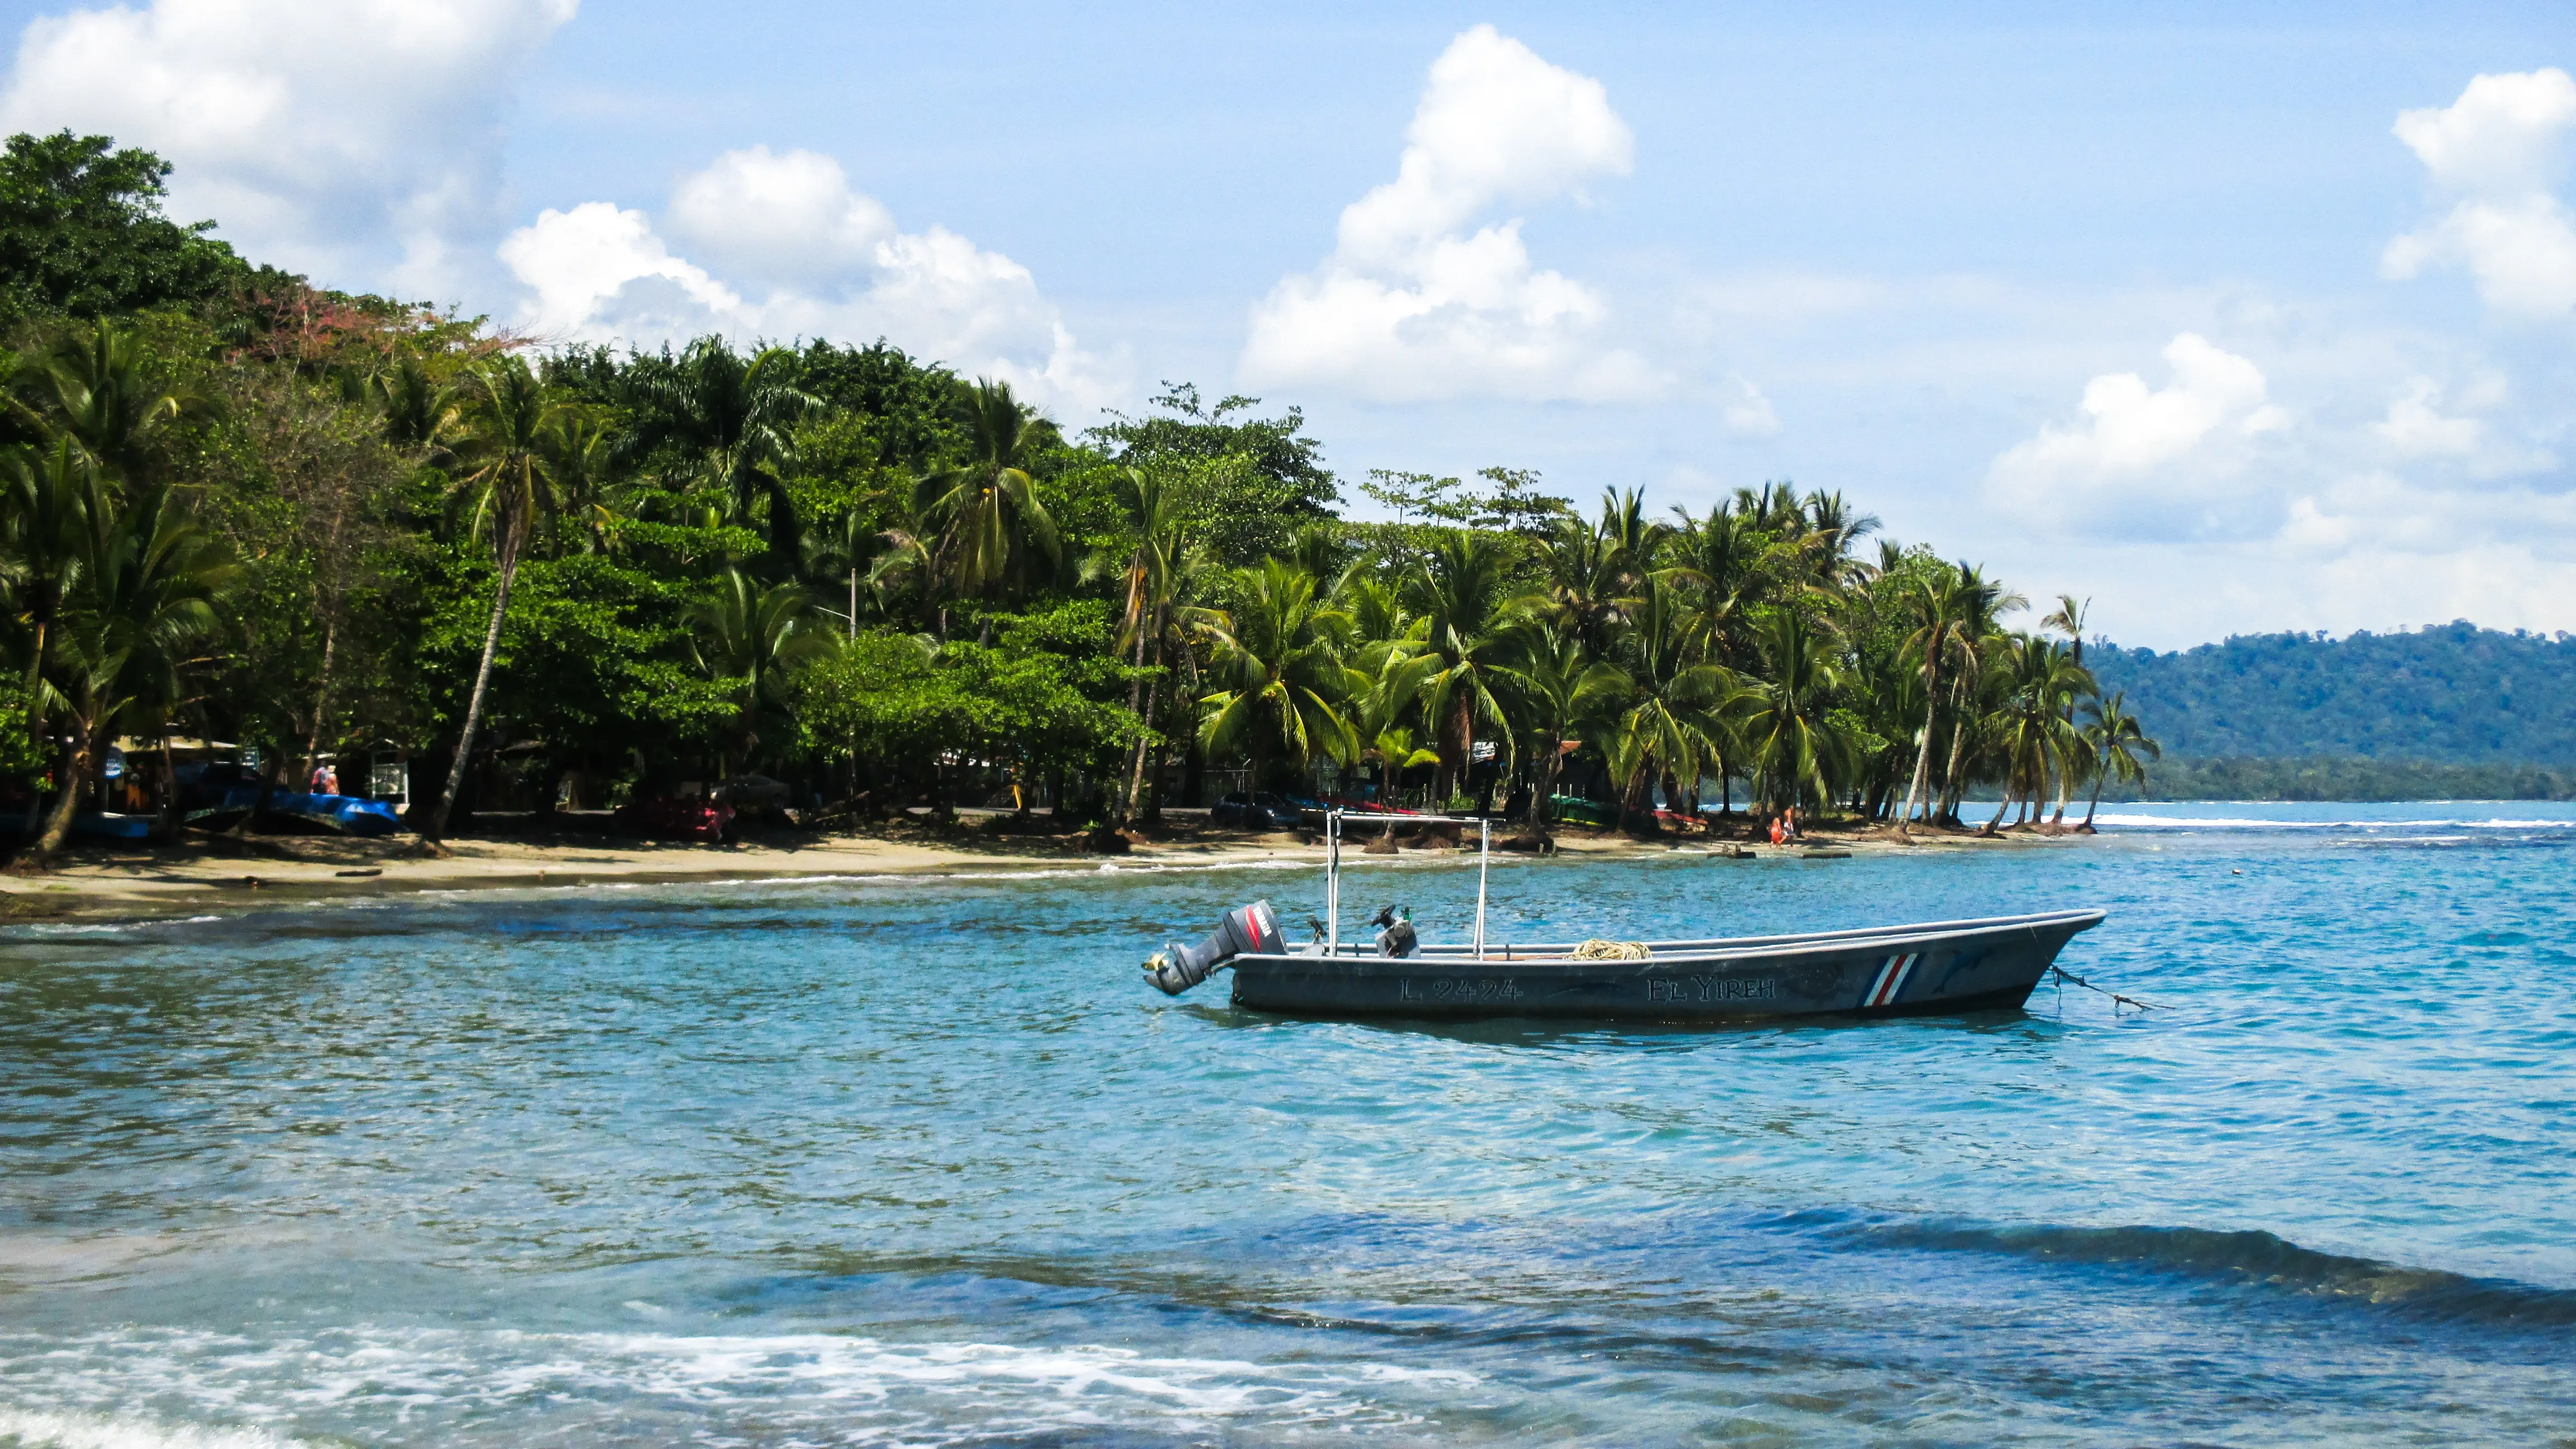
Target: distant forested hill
<point x="2440" y="699"/>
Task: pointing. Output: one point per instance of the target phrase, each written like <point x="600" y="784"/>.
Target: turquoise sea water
<point x="922" y="1161"/>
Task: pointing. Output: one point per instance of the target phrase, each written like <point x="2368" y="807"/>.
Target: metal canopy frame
<point x="1333" y="871"/>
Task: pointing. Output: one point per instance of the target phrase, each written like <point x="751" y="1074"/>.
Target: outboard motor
<point x="1395" y="936"/>
<point x="1253" y="928"/>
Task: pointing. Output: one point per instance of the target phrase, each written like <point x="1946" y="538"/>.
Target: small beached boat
<point x="1928" y="968"/>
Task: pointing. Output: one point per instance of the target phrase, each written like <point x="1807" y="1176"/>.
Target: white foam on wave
<point x="863" y="1390"/>
<point x="41" y="1429"/>
<point x="2233" y="822"/>
<point x="113" y="928"/>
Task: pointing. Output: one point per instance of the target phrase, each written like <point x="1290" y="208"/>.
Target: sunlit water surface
<point x="923" y="1161"/>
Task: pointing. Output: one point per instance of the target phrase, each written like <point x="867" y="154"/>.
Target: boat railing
<point x="1477" y="947"/>
<point x="1894" y="937"/>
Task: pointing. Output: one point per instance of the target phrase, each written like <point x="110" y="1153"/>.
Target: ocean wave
<point x="2249" y="1257"/>
<point x="111" y="928"/>
<point x="38" y="1429"/>
<point x="2238" y="822"/>
<point x="866" y="1390"/>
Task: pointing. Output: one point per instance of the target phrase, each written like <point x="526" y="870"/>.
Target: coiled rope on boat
<point x="1613" y="951"/>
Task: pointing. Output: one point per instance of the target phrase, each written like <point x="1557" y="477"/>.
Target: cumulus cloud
<point x="1413" y="304"/>
<point x="2497" y="154"/>
<point x="2140" y="457"/>
<point x="803" y="253"/>
<point x="1745" y="411"/>
<point x="358" y="140"/>
<point x="2417" y="428"/>
<point x="789" y="219"/>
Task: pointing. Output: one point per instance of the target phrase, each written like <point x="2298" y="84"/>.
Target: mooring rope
<point x="2116" y="998"/>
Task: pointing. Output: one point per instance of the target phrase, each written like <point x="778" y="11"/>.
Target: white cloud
<point x="787" y="219"/>
<point x="2501" y="150"/>
<point x="1745" y="411"/>
<point x="358" y="140"/>
<point x="1412" y="305"/>
<point x="2416" y="427"/>
<point x="805" y="255"/>
<point x="2164" y="458"/>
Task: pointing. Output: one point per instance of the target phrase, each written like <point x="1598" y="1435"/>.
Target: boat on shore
<point x="1927" y="968"/>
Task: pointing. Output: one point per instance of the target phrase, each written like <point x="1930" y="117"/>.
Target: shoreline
<point x="206" y="876"/>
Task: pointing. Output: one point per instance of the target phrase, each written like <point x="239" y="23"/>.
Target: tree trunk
<point x="321" y="697"/>
<point x="1136" y="703"/>
<point x="1546" y="790"/>
<point x="67" y="803"/>
<point x="2009" y="796"/>
<point x="167" y="826"/>
<point x="1922" y="756"/>
<point x="474" y="706"/>
<point x="2095" y="803"/>
<point x="1950" y="775"/>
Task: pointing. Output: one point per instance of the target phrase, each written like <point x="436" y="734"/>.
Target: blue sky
<point x="2154" y="305"/>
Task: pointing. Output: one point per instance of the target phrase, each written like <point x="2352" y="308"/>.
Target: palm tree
<point x="2068" y="619"/>
<point x="2032" y="722"/>
<point x="1797" y="749"/>
<point x="1394" y="669"/>
<point x="1279" y="655"/>
<point x="1475" y="611"/>
<point x="1156" y="542"/>
<point x="44" y="502"/>
<point x="1942" y="609"/>
<point x="986" y="509"/>
<point x="1717" y="562"/>
<point x="1981" y="602"/>
<point x="1673" y="700"/>
<point x="143" y="594"/>
<point x="1831" y="530"/>
<point x="2117" y="744"/>
<point x="582" y="449"/>
<point x="757" y="636"/>
<point x="508" y="482"/>
<point x="420" y="414"/>
<point x="1557" y="689"/>
<point x="95" y="391"/>
<point x="734" y="417"/>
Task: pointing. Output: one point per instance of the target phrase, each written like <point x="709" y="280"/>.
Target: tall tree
<point x="143" y="595"/>
<point x="82" y="233"/>
<point x="731" y="418"/>
<point x="1944" y="610"/>
<point x="1558" y="690"/>
<point x="1797" y="749"/>
<point x="991" y="522"/>
<point x="1278" y="656"/>
<point x="752" y="638"/>
<point x="1475" y="609"/>
<point x="2120" y="747"/>
<point x="508" y="482"/>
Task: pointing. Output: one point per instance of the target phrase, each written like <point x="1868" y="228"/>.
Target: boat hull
<point x="1934" y="968"/>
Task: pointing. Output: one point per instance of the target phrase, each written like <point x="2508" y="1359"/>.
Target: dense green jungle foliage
<point x="235" y="507"/>
<point x="2345" y="778"/>
<point x="2450" y="712"/>
<point x="2455" y="694"/>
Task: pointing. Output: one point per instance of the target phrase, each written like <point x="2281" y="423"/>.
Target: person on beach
<point x="1789" y="823"/>
<point x="1776" y="836"/>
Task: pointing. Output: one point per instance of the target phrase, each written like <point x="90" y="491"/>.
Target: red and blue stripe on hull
<point x="1889" y="984"/>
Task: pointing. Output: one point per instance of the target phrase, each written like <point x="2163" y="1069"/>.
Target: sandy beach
<point x="208" y="874"/>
